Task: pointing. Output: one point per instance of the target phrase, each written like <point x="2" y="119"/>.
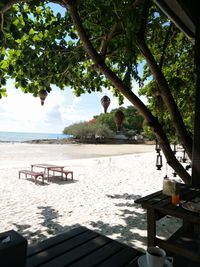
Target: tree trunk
<point x="111" y="76"/>
<point x="167" y="98"/>
<point x="196" y="144"/>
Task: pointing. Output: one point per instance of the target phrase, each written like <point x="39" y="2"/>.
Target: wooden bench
<point x="66" y="172"/>
<point x="32" y="174"/>
<point x="81" y="247"/>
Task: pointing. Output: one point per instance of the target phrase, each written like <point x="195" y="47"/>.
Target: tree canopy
<point x="88" y="131"/>
<point x="132" y="120"/>
<point x="98" y="44"/>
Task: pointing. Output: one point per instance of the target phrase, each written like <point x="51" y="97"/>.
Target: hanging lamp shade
<point x="105" y="101"/>
<point x="159" y="161"/>
<point x="119" y="117"/>
<point x="42" y="95"/>
<point x="157" y="148"/>
<point x="184" y="159"/>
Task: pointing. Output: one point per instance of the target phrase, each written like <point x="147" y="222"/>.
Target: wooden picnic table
<point x="47" y="167"/>
<point x="184" y="242"/>
<point x="82" y="247"/>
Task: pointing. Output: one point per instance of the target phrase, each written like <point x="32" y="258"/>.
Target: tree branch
<point x="164" y="91"/>
<point x="167" y="97"/>
<point x="9" y="4"/>
<point x="82" y="34"/>
<point x="144" y="17"/>
<point x="2" y="30"/>
<point x="106" y="39"/>
<point x="165" y="46"/>
<point x="117" y="83"/>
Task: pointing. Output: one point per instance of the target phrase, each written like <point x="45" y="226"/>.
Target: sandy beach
<point x="107" y="180"/>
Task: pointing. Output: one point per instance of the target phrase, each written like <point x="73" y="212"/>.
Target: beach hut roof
<point x="184" y="13"/>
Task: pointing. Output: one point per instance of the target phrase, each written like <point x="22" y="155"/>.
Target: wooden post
<point x="196" y="140"/>
<point x="151" y="227"/>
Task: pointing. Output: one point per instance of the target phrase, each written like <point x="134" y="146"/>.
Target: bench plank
<point x="50" y="242"/>
<point x="122" y="258"/>
<point x="99" y="255"/>
<point x="32" y="174"/>
<point x="52" y="255"/>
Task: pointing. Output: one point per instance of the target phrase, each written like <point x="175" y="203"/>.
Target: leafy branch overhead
<point x="93" y="45"/>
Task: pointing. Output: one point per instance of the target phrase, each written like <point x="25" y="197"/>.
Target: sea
<point x="22" y="136"/>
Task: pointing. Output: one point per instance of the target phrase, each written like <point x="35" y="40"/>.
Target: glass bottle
<point x="175" y="195"/>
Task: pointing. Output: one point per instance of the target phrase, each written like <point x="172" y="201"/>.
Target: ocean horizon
<point x="25" y="136"/>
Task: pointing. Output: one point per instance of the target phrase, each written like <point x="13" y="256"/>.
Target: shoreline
<point x="61" y="142"/>
<point x="35" y="153"/>
<point x="64" y="141"/>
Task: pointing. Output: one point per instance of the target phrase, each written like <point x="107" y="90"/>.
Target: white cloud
<point x="21" y="112"/>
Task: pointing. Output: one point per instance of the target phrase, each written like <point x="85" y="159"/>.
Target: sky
<point x="21" y="112"/>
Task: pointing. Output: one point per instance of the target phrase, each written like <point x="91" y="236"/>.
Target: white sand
<point x="100" y="198"/>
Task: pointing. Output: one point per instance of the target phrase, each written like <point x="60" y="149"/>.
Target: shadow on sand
<point x="132" y="232"/>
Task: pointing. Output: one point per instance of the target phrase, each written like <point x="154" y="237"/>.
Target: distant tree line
<point x="104" y="126"/>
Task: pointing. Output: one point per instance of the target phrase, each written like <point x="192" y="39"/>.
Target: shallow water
<point x="21" y="136"/>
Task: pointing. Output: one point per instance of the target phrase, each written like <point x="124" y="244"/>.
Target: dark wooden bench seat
<point x="62" y="171"/>
<point x="81" y="247"/>
<point x="32" y="174"/>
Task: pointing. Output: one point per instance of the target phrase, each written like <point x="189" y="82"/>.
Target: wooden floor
<point x="81" y="247"/>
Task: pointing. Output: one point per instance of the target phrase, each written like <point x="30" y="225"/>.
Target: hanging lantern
<point x="119" y="117"/>
<point x="174" y="149"/>
<point x="159" y="161"/>
<point x="42" y="95"/>
<point x="157" y="148"/>
<point x="105" y="101"/>
<point x="184" y="156"/>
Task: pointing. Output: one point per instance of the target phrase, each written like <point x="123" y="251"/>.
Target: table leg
<point x="151" y="227"/>
<point x="48" y="174"/>
<point x="62" y="174"/>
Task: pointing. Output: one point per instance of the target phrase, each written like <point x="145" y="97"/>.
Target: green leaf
<point x="31" y="32"/>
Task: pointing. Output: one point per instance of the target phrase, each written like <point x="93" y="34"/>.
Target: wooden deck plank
<point x="56" y="239"/>
<point x="77" y="253"/>
<point x="55" y="251"/>
<point x="121" y="259"/>
<point x="99" y="255"/>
